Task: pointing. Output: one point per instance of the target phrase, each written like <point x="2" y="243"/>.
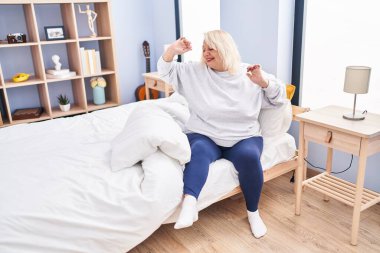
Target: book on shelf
<point x="91" y="63"/>
<point x="84" y="61"/>
<point x="98" y="63"/>
<point x="27" y="113"/>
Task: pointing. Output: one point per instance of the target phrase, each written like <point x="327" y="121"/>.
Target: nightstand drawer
<point x="332" y="138"/>
<point x="155" y="84"/>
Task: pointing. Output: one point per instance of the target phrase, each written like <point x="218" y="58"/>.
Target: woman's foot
<point x="189" y="213"/>
<point x="257" y="225"/>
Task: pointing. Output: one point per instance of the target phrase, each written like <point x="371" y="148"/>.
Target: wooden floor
<point x="223" y="227"/>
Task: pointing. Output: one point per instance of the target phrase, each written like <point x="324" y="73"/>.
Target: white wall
<point x="333" y="43"/>
<point x="197" y="18"/>
<point x="285" y="39"/>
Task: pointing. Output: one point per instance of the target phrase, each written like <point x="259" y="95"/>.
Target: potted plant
<point x="98" y="84"/>
<point x="64" y="103"/>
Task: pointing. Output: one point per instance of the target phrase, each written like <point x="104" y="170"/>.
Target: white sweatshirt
<point x="222" y="106"/>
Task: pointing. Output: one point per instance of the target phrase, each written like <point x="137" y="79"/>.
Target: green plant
<point x="63" y="100"/>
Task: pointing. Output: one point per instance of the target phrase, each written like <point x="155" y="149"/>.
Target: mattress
<point x="58" y="194"/>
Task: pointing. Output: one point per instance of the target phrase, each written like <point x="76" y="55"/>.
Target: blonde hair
<point x="226" y="47"/>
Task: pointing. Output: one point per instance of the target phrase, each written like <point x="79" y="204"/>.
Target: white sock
<point x="257" y="225"/>
<point x="189" y="212"/>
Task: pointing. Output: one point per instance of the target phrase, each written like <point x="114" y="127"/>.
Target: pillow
<point x="147" y="129"/>
<point x="275" y="121"/>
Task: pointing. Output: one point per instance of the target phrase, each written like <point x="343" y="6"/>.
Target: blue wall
<point x="253" y="25"/>
<point x="133" y="22"/>
<point x="132" y="25"/>
<point x="164" y="28"/>
<point x="263" y="32"/>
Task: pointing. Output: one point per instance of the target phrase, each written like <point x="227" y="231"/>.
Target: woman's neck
<point x="219" y="69"/>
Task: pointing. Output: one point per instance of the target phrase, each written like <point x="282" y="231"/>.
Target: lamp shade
<point x="357" y="79"/>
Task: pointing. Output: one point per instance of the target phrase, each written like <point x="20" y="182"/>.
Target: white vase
<point x="65" y="108"/>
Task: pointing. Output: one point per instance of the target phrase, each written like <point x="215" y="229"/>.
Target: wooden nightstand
<point x="154" y="82"/>
<point x="327" y="127"/>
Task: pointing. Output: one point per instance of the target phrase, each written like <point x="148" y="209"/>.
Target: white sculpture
<point x="57" y="72"/>
<point x="55" y="59"/>
<point x="91" y="16"/>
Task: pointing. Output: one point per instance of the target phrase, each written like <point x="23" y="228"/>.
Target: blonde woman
<point x="225" y="99"/>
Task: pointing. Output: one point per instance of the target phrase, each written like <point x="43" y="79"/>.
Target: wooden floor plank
<point x="223" y="227"/>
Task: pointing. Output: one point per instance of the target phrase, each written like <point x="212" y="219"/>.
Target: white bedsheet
<point x="58" y="194"/>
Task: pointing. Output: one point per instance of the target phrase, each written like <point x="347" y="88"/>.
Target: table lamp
<point x="356" y="82"/>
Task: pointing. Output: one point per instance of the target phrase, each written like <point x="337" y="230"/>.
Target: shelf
<point x="341" y="190"/>
<point x="75" y="109"/>
<point x="94" y="38"/>
<point x="30" y="81"/>
<point x="52" y="80"/>
<point x="44" y="116"/>
<point x="104" y="72"/>
<point x="92" y="107"/>
<point x="49" y="42"/>
<point x="19" y="44"/>
<point x="5" y="123"/>
<point x="33" y="16"/>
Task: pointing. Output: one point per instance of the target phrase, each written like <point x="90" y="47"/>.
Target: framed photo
<point x="54" y="33"/>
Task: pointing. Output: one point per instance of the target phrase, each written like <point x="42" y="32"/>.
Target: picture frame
<point x="55" y="32"/>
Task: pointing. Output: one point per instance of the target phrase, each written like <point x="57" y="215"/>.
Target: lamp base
<point x="350" y="116"/>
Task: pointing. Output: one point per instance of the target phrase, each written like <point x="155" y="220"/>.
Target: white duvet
<point x="58" y="193"/>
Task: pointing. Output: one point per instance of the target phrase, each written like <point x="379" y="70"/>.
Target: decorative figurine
<point x="56" y="59"/>
<point x="57" y="72"/>
<point x="91" y="16"/>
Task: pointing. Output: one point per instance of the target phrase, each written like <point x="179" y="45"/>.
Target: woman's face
<point x="212" y="58"/>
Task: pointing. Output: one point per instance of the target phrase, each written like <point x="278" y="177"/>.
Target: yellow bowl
<point x="20" y="77"/>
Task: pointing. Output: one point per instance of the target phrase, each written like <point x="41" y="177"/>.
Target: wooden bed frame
<point x="280" y="168"/>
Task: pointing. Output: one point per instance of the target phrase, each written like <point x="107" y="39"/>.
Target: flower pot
<point x="65" y="108"/>
<point x="99" y="95"/>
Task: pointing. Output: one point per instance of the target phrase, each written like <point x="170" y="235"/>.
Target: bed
<point x="58" y="192"/>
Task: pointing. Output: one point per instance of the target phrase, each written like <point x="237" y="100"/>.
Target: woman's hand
<point x="254" y="74"/>
<point x="179" y="46"/>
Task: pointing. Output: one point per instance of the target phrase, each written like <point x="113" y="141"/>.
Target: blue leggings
<point x="245" y="156"/>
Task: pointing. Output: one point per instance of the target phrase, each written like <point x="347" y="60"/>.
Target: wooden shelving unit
<point x="37" y="44"/>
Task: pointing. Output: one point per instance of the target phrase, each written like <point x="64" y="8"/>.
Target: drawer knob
<point x="328" y="137"/>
